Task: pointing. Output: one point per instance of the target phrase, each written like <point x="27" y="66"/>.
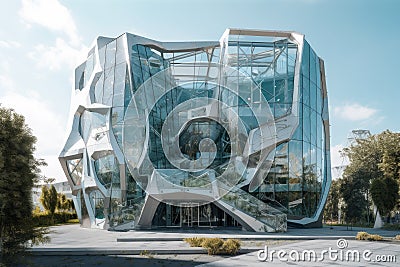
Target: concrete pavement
<point x="355" y="253"/>
<point x="75" y="240"/>
<point x="92" y="247"/>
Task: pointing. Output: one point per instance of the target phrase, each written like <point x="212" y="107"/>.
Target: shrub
<point x="194" y="241"/>
<point x="375" y="238"/>
<point x="146" y="253"/>
<point x="231" y="246"/>
<point x="71" y="221"/>
<point x="45" y="219"/>
<point x="362" y="236"/>
<point x="215" y="245"/>
<point x="366" y="236"/>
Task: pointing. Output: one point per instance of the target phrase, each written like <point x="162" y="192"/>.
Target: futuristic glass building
<point x="232" y="133"/>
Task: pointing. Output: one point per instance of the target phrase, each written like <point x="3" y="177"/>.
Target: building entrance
<point x="189" y="214"/>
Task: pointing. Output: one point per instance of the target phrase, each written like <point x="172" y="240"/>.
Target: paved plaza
<point x="356" y="253"/>
<point x="72" y="245"/>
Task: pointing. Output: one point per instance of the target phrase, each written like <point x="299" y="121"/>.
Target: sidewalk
<point x="356" y="253"/>
<point x="74" y="240"/>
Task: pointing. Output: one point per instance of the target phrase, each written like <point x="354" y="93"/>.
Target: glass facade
<point x="202" y="134"/>
<point x="298" y="176"/>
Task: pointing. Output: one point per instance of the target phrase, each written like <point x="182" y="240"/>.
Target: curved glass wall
<point x="295" y="182"/>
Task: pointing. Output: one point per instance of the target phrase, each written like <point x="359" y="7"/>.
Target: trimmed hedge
<point x="45" y="219"/>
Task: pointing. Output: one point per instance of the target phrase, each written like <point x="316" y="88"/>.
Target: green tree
<point x="63" y="203"/>
<point x="18" y="173"/>
<point x="374" y="158"/>
<point x="385" y="193"/>
<point x="49" y="199"/>
<point x="331" y="210"/>
<point x="352" y="192"/>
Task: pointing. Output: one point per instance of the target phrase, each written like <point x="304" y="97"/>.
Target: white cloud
<point x="338" y="161"/>
<point x="54" y="16"/>
<point x="53" y="168"/>
<point x="57" y="56"/>
<point x="45" y="125"/>
<point x="6" y="83"/>
<point x="354" y="112"/>
<point x="4" y="65"/>
<point x="9" y="44"/>
<point x="50" y="14"/>
<point x="336" y="156"/>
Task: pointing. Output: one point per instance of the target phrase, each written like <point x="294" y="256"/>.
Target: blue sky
<point x="42" y="40"/>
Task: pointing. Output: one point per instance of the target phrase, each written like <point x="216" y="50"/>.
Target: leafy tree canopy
<point x="375" y="157"/>
<point x="49" y="198"/>
<point x="18" y="173"/>
<point x="374" y="165"/>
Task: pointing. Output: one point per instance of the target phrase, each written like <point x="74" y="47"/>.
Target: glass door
<point x="190" y="214"/>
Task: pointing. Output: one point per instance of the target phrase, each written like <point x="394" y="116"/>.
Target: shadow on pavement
<point x="148" y="260"/>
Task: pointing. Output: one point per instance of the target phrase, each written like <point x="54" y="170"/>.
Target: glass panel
<point x="75" y="169"/>
<point x="313" y="129"/>
<point x="106" y="168"/>
<point x="121" y="50"/>
<point x="128" y="89"/>
<point x="267" y="89"/>
<point x="292" y="53"/>
<point x="313" y="96"/>
<point x="110" y="54"/>
<point x="319" y="131"/>
<point x="319" y="168"/>
<point x="102" y="56"/>
<point x="298" y="133"/>
<point x="317" y="67"/>
<point x="119" y="86"/>
<point x="84" y="211"/>
<point x="313" y="71"/>
<point x="319" y="101"/>
<point x="290" y="88"/>
<point x="117" y="130"/>
<point x="117" y="115"/>
<point x="305" y="61"/>
<point x="136" y="69"/>
<point x="85" y="125"/>
<point x="295" y="177"/>
<point x="108" y="86"/>
<point x="307" y="185"/>
<point x="89" y="67"/>
<point x="97" y="202"/>
<point x="281" y="92"/>
<point x="306" y="91"/>
<point x="306" y="124"/>
<point x="98" y="91"/>
<point x="281" y="62"/>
